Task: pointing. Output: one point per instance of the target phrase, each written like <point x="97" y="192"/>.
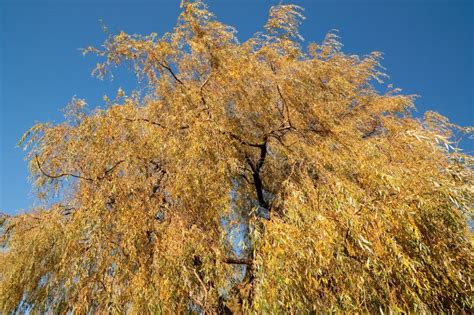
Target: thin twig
<point x="154" y="123"/>
<point x="146" y="120"/>
<point x="106" y="173"/>
<point x="171" y="72"/>
<point x="201" y="90"/>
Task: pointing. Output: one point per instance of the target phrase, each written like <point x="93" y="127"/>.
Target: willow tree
<point x="347" y="202"/>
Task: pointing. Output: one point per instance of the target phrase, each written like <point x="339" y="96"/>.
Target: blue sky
<point x="427" y="46"/>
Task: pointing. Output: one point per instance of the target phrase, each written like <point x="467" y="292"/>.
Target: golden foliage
<point x="367" y="204"/>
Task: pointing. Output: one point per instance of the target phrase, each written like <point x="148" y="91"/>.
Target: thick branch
<point x="237" y="261"/>
<point x="256" y="167"/>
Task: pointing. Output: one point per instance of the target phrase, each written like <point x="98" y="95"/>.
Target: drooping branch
<point x="56" y="176"/>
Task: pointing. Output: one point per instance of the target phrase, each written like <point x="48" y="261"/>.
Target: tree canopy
<point x="256" y="176"/>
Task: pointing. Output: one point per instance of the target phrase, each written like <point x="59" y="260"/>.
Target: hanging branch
<point x="56" y="176"/>
<point x="59" y="175"/>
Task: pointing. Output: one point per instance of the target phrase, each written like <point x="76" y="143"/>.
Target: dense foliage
<point x="345" y="201"/>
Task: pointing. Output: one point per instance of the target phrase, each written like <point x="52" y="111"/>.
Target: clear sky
<point x="428" y="47"/>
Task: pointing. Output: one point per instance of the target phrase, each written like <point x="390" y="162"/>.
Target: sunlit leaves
<point x="346" y="202"/>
